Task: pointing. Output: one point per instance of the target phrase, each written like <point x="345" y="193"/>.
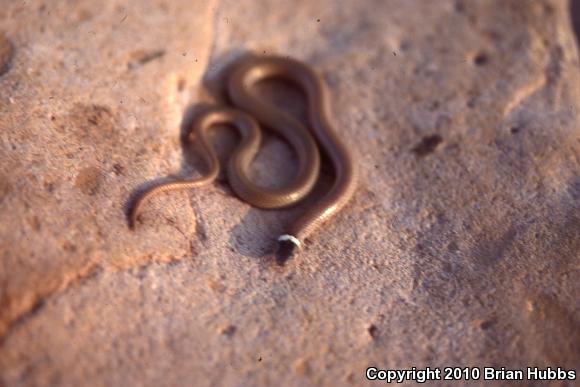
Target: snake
<point x="249" y="113"/>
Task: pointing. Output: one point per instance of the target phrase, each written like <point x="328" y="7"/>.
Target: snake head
<point x="288" y="245"/>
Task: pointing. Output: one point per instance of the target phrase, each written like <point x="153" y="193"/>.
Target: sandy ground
<point x="460" y="247"/>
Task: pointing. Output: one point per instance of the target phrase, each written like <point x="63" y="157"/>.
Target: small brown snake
<point x="251" y="110"/>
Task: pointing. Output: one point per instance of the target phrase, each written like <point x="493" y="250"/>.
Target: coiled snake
<point x="252" y="109"/>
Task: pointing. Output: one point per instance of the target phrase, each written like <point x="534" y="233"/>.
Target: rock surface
<point x="461" y="246"/>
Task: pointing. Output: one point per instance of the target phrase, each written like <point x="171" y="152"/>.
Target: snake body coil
<point x="242" y="92"/>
